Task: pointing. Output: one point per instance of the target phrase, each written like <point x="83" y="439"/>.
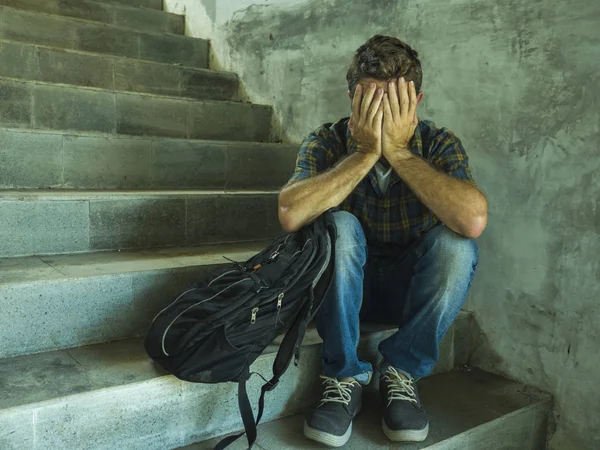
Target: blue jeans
<point x="420" y="290"/>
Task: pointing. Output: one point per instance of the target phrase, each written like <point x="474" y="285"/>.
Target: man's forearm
<point x="302" y="202"/>
<point x="458" y="204"/>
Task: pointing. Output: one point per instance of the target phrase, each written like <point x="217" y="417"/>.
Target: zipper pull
<point x="254" y="312"/>
<point x="279" y="302"/>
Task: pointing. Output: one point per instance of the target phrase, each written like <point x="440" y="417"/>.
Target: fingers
<point x="404" y="98"/>
<point x="412" y="92"/>
<point x="393" y="99"/>
<point x="366" y="102"/>
<point x="387" y="108"/>
<point x="378" y="121"/>
<point x="356" y="100"/>
<point x="375" y="106"/>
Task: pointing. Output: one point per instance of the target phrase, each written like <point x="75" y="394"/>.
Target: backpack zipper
<point x="255" y="310"/>
<point x="325" y="264"/>
<point x="174" y="301"/>
<point x="275" y="254"/>
<point x="279" y="303"/>
<point x="190" y="290"/>
<point x="164" y="336"/>
<point x="222" y="275"/>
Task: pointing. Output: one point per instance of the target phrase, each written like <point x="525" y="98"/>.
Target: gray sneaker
<point x="404" y="419"/>
<point x="331" y="422"/>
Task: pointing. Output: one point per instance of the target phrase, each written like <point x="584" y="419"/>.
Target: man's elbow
<point x="288" y="221"/>
<point x="474" y="227"/>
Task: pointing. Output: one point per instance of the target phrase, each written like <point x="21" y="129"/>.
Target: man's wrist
<point x="368" y="158"/>
<point x="399" y="155"/>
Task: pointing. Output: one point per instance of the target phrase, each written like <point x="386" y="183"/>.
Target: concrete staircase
<point x="127" y="169"/>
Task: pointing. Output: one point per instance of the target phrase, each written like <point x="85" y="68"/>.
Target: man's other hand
<point x="366" y="120"/>
<point x="399" y="119"/>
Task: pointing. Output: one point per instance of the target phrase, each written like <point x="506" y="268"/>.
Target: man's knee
<point x="350" y="234"/>
<point x="456" y="255"/>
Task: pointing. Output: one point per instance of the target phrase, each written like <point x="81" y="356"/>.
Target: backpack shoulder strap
<point x="289" y="347"/>
<point x="284" y="356"/>
<point x="247" y="418"/>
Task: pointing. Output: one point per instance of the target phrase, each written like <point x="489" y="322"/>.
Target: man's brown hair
<point x="384" y="58"/>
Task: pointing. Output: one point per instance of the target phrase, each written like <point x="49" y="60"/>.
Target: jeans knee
<point x="456" y="255"/>
<point x="350" y="234"/>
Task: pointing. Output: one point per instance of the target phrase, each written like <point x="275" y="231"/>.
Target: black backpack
<point x="213" y="332"/>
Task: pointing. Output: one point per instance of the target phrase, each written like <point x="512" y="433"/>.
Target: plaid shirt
<point x="396" y="217"/>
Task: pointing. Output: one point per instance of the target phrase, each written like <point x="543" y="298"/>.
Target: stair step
<point x="47" y="222"/>
<point x="135" y="18"/>
<point x="111" y="396"/>
<point x="30" y="62"/>
<point x="468" y="410"/>
<point x="60" y="107"/>
<point x="123" y="291"/>
<point x="154" y="4"/>
<point x="76" y="34"/>
<point x="50" y="268"/>
<point x="34" y="159"/>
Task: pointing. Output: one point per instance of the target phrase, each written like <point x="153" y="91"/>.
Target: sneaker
<point x="404" y="419"/>
<point x="331" y="422"/>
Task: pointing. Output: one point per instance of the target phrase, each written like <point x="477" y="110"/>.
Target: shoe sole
<point x="405" y="435"/>
<point x="326" y="438"/>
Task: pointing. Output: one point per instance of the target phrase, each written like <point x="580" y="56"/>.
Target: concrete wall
<point x="518" y="81"/>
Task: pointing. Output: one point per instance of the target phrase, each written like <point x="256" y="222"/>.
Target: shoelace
<point x="337" y="391"/>
<point x="399" y="388"/>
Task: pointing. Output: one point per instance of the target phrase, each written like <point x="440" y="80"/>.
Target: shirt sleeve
<point x="313" y="158"/>
<point x="450" y="157"/>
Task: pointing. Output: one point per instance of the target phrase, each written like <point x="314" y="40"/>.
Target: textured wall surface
<point x="518" y="81"/>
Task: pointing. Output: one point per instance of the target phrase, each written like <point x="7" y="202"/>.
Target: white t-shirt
<point x="383" y="176"/>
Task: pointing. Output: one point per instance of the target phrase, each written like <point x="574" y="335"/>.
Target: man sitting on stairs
<point x="407" y="211"/>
